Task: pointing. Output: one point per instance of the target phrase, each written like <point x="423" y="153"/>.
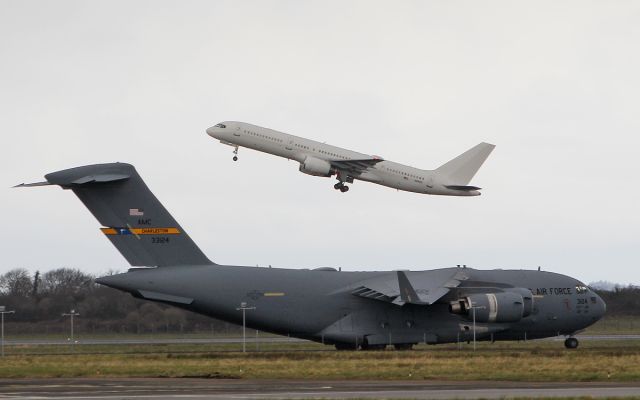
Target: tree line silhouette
<point x="40" y="299"/>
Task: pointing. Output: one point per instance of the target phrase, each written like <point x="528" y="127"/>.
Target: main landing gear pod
<point x="571" y="343"/>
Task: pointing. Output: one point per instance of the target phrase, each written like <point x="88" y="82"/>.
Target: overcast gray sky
<point x="554" y="84"/>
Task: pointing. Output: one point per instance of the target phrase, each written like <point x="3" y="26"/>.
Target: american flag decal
<point x="136" y="212"/>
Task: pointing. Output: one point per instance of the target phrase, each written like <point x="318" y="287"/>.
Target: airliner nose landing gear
<point x="341" y="187"/>
<point x="235" y="154"/>
<point x="571" y="343"/>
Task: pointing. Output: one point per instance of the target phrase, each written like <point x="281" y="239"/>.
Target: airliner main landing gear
<point x="342" y="179"/>
<point x="571" y="343"/>
<point x="235" y="154"/>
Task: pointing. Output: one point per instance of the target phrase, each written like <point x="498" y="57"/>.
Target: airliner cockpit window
<point x="220" y="126"/>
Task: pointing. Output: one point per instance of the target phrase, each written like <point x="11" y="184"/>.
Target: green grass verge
<point x="531" y="361"/>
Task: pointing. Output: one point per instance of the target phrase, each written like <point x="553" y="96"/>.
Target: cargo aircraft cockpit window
<point x="581" y="289"/>
<point x="220" y="126"/>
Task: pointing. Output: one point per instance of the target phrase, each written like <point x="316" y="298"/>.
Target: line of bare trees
<point x="40" y="299"/>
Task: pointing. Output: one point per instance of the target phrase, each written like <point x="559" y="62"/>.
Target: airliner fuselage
<point x="321" y="159"/>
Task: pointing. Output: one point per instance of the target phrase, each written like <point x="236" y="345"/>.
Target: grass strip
<point x="533" y="361"/>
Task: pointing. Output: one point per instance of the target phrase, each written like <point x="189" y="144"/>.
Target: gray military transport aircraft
<point x="351" y="310"/>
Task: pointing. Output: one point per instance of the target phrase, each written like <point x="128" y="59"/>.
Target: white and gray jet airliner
<point x="320" y="159"/>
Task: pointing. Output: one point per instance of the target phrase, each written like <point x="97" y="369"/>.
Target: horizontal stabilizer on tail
<point x="132" y="217"/>
<point x="462" y="187"/>
<point x="32" y="184"/>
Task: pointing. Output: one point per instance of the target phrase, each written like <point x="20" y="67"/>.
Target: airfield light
<point x="72" y="314"/>
<point x="244" y="308"/>
<point x="473" y="309"/>
<point x="3" y="311"/>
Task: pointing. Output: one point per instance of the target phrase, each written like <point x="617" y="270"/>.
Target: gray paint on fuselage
<point x="319" y="305"/>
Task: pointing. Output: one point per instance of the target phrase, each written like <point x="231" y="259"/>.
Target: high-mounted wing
<point x="355" y="167"/>
<point x="400" y="287"/>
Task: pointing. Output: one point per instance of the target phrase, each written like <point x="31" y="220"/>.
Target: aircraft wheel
<point x="571" y="343"/>
<point x="235" y="158"/>
<point x="337" y="186"/>
<point x="344" y="189"/>
<point x="403" y="346"/>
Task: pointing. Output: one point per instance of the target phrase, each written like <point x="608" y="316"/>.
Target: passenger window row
<point x="333" y="154"/>
<point x="405" y="173"/>
<point x="263" y="136"/>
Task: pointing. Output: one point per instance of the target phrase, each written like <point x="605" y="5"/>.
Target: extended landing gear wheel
<point x="344" y="189"/>
<point x="571" y="343"/>
<point x="235" y="153"/>
<point x="403" y="346"/>
<point x="337" y="186"/>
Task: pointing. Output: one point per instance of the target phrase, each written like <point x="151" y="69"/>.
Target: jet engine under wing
<point x="355" y="167"/>
<point x="423" y="287"/>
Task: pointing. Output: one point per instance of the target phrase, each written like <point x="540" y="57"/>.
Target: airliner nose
<point x="211" y="131"/>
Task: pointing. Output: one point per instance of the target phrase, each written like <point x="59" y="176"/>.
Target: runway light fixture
<point x="244" y="308"/>
<point x="72" y="314"/>
<point x="473" y="308"/>
<point x="3" y="311"/>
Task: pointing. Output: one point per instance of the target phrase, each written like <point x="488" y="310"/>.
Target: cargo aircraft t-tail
<point x="351" y="310"/>
<point x="320" y="159"/>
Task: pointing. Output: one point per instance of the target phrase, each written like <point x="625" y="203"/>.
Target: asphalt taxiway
<point x="190" y="388"/>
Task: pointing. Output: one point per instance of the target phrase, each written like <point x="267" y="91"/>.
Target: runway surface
<point x="168" y="388"/>
<point x="270" y="339"/>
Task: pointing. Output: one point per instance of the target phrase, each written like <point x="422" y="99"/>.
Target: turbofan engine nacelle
<point x="316" y="167"/>
<point x="509" y="306"/>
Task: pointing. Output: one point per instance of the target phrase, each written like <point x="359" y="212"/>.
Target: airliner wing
<point x="422" y="288"/>
<point x="355" y="167"/>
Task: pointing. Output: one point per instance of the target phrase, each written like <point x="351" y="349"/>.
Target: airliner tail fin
<point x="461" y="169"/>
